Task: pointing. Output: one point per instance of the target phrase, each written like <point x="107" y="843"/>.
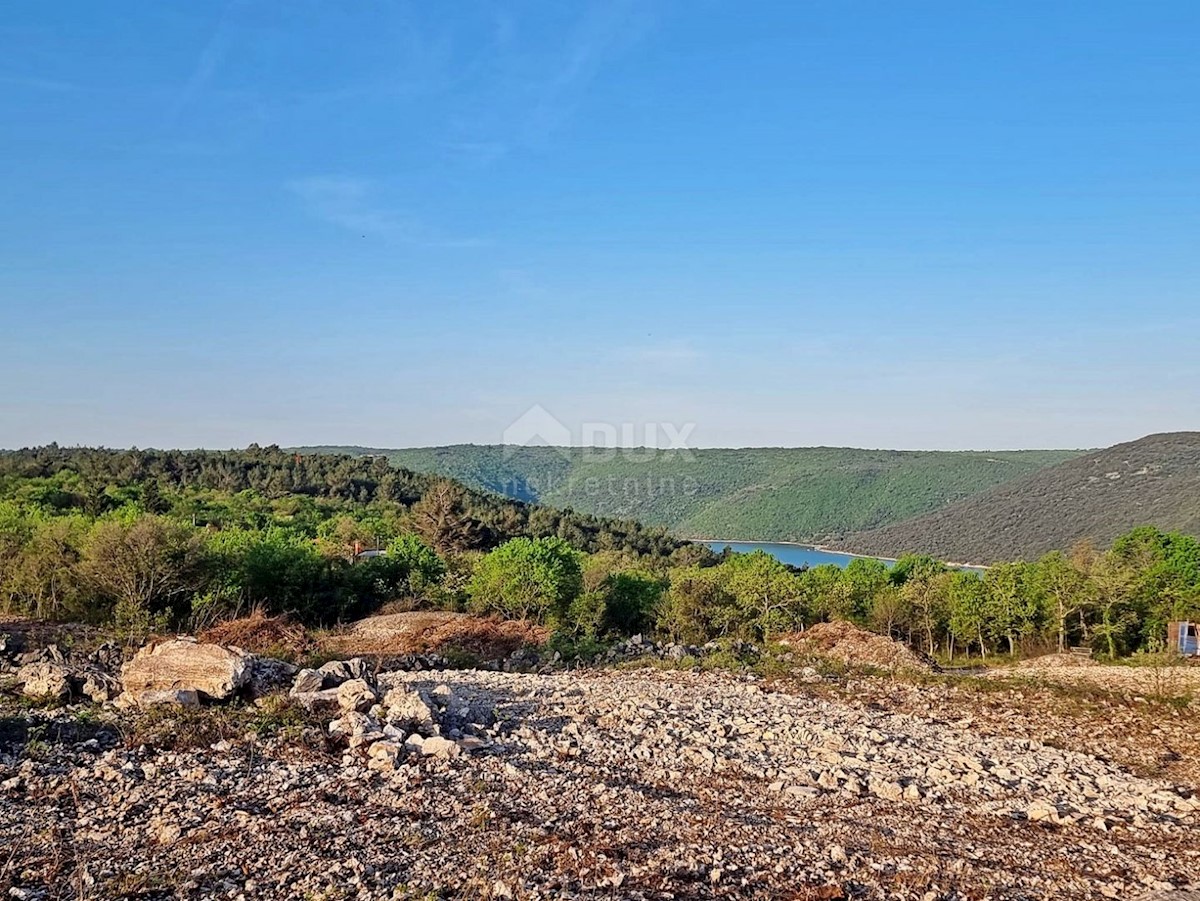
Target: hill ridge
<point x="1154" y="480"/>
<point x="766" y="494"/>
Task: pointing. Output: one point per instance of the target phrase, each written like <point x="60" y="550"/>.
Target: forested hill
<point x="1097" y="496"/>
<point x="769" y="494"/>
<point x="263" y="486"/>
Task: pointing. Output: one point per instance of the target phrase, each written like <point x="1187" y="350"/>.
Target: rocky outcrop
<point x="268" y="675"/>
<point x="604" y="785"/>
<point x="64" y="682"/>
<point x="715" y="786"/>
<point x="99" y="686"/>
<point x="45" y="680"/>
<point x="212" y="671"/>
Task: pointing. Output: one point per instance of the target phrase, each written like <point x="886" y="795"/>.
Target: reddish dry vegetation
<point x="417" y="632"/>
<point x="421" y="632"/>
<point x="274" y="636"/>
<point x="852" y="646"/>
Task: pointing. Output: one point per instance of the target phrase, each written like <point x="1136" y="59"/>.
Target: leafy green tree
<point x="923" y="595"/>
<point x="695" y="606"/>
<point x="147" y="567"/>
<point x="418" y="567"/>
<point x="766" y="595"/>
<point x="1012" y="608"/>
<point x="273" y="570"/>
<point x="823" y="593"/>
<point x="1116" y="591"/>
<point x="967" y="600"/>
<point x="47" y="580"/>
<point x="528" y="578"/>
<point x="1162" y="575"/>
<point x="915" y="566"/>
<point x="863" y="579"/>
<point x="631" y="601"/>
<point x="1064" y="590"/>
<point x="888" y="611"/>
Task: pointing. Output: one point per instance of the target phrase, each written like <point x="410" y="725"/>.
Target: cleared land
<point x="630" y="781"/>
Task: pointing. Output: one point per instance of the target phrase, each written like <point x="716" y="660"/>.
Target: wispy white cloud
<point x="519" y="96"/>
<point x="351" y="203"/>
<point x="605" y="28"/>
<point x="212" y="55"/>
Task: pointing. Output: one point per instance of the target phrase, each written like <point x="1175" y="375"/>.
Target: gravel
<point x="614" y="783"/>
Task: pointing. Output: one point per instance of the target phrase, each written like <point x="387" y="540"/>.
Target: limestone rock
<point x="436" y="746"/>
<point x="268" y="674"/>
<point x="99" y="687"/>
<point x="335" y="672"/>
<point x="179" y="697"/>
<point x="356" y="694"/>
<point x="45" y="680"/>
<point x="326" y="699"/>
<point x="1041" y="810"/>
<point x="407" y="710"/>
<point x="210" y="670"/>
<point x="307" y="680"/>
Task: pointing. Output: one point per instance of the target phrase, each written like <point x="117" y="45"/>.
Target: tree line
<point x="1116" y="603"/>
<point x="146" y="540"/>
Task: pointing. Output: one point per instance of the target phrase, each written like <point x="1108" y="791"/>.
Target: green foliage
<point x="767" y="494"/>
<point x="144" y="541"/>
<point x="692" y="609"/>
<point x="766" y="595"/>
<point x="1098" y="496"/>
<point x="271" y="569"/>
<point x="528" y="578"/>
<point x="150" y="539"/>
<point x="1012" y="610"/>
<point x="631" y="601"/>
<point x="416" y="566"/>
<point x="1118" y="601"/>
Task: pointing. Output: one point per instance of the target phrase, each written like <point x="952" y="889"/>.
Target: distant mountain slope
<point x="1153" y="481"/>
<point x="766" y="494"/>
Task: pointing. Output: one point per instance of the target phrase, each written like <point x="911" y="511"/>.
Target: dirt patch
<point x="431" y="631"/>
<point x="272" y="636"/>
<point x="20" y="634"/>
<point x="852" y="646"/>
<point x="1056" y="661"/>
<point x="1179" y="682"/>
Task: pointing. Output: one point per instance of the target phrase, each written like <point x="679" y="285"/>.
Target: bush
<point x="528" y="578"/>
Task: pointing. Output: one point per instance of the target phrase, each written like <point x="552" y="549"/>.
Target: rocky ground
<point x="613" y="783"/>
<point x="1146" y="681"/>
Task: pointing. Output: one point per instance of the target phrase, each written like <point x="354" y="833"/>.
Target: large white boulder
<point x="213" y="671"/>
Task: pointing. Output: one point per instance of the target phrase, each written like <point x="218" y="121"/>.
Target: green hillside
<point x="766" y="494"/>
<point x="1095" y="497"/>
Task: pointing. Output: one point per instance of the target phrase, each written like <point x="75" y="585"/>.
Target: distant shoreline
<point x="808" y="547"/>
<point x="825" y="549"/>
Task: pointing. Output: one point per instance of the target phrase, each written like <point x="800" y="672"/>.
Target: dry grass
<point x="182" y="729"/>
<point x="847" y="644"/>
<point x="271" y="636"/>
<point x="422" y="632"/>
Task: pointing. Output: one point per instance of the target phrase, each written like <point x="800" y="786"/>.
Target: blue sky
<point x="916" y="224"/>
